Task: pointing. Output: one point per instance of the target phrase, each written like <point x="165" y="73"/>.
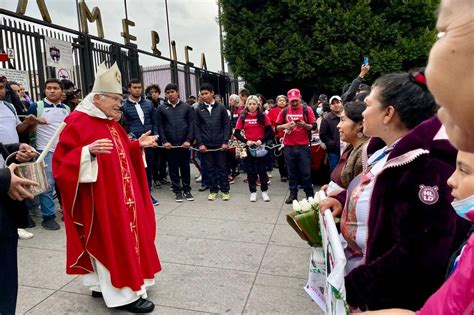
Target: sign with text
<point x="18" y="76"/>
<point x="58" y="53"/>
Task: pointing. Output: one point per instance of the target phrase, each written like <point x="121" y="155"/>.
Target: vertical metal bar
<point x="40" y="63"/>
<point x="23" y="46"/>
<point x="31" y="65"/>
<point x="168" y="27"/>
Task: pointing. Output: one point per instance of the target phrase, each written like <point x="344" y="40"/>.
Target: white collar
<point x="137" y="102"/>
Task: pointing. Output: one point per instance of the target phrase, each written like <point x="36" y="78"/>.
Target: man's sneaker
<point x="203" y="188"/>
<point x="284" y="179"/>
<point x="253" y="197"/>
<point x="50" y="224"/>
<point x="188" y="196"/>
<point x="179" y="197"/>
<point x="258" y="182"/>
<point x="290" y="198"/>
<point x="265" y="196"/>
<point x="154" y="201"/>
<point x="269" y="174"/>
<point x="24" y="234"/>
<point x="212" y="196"/>
<point x="199" y="179"/>
<point x="226" y="196"/>
<point x="231" y="180"/>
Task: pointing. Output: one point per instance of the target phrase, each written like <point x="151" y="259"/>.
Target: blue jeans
<point x="298" y="163"/>
<point x="333" y="160"/>
<point x="46" y="199"/>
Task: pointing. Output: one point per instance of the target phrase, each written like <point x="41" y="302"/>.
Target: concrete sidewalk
<point x="218" y="257"/>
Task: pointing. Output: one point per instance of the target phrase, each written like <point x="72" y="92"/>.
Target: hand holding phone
<point x="366" y="60"/>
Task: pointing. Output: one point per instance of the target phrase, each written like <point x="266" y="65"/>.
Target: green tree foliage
<point x="319" y="45"/>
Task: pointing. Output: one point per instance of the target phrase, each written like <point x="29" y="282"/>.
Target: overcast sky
<point x="192" y="23"/>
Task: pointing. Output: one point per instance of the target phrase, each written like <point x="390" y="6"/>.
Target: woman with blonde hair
<point x="257" y="128"/>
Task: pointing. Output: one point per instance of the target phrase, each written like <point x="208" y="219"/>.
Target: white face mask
<point x="319" y="111"/>
<point x="465" y="208"/>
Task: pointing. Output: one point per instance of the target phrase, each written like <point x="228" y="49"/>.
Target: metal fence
<point x="26" y="36"/>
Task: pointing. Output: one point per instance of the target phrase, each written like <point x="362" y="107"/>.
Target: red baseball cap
<point x="294" y="95"/>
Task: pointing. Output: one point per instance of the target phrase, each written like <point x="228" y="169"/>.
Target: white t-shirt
<point x="54" y="117"/>
<point x="8" y="123"/>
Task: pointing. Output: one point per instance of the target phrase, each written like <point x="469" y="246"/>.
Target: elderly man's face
<point x="109" y="104"/>
<point x="450" y="71"/>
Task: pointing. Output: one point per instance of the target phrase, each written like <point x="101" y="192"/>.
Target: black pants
<point x="257" y="166"/>
<point x="155" y="163"/>
<point x="217" y="169"/>
<point x="232" y="162"/>
<point x="281" y="164"/>
<point x="298" y="162"/>
<point x="180" y="172"/>
<point x="8" y="272"/>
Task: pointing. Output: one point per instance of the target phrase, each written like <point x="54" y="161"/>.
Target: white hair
<point x="234" y="97"/>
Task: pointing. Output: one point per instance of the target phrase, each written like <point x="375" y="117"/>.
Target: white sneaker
<point x="253" y="197"/>
<point x="199" y="179"/>
<point x="24" y="234"/>
<point x="265" y="196"/>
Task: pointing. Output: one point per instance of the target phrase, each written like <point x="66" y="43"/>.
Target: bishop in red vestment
<point x="109" y="218"/>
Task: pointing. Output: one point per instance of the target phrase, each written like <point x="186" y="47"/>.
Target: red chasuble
<point x="113" y="219"/>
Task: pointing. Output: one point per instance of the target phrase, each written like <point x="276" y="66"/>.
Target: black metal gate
<point x="26" y="36"/>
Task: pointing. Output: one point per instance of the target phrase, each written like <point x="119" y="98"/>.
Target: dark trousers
<point x="257" y="166"/>
<point x="8" y="271"/>
<point x="232" y="162"/>
<point x="269" y="160"/>
<point x="282" y="165"/>
<point x="217" y="169"/>
<point x="179" y="169"/>
<point x="298" y="163"/>
<point x="158" y="167"/>
<point x="155" y="163"/>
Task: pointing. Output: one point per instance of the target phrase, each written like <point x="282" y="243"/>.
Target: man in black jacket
<point x="12" y="216"/>
<point x="329" y="133"/>
<point x="138" y="118"/>
<point x="212" y="132"/>
<point x="175" y="126"/>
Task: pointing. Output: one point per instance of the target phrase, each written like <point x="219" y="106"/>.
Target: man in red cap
<point x="296" y="121"/>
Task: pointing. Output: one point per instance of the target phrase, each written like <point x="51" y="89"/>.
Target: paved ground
<point x="218" y="257"/>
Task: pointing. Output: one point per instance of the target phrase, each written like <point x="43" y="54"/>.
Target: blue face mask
<point x="465" y="208"/>
<point x="319" y="111"/>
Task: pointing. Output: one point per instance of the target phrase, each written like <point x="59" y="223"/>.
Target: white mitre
<point x="108" y="80"/>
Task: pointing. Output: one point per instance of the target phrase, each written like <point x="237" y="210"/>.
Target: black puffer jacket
<point x="175" y="124"/>
<point x="211" y="129"/>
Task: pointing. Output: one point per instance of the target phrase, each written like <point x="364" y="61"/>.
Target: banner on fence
<point x="58" y="53"/>
<point x="21" y="77"/>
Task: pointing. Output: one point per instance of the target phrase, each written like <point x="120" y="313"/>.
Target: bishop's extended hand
<point x="147" y="141"/>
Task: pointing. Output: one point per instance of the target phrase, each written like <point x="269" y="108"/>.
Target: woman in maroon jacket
<point x="398" y="220"/>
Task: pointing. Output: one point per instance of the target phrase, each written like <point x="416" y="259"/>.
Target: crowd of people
<point x="395" y="158"/>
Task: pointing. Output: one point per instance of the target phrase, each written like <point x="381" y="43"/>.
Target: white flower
<point x="305" y="205"/>
<point x="296" y="205"/>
